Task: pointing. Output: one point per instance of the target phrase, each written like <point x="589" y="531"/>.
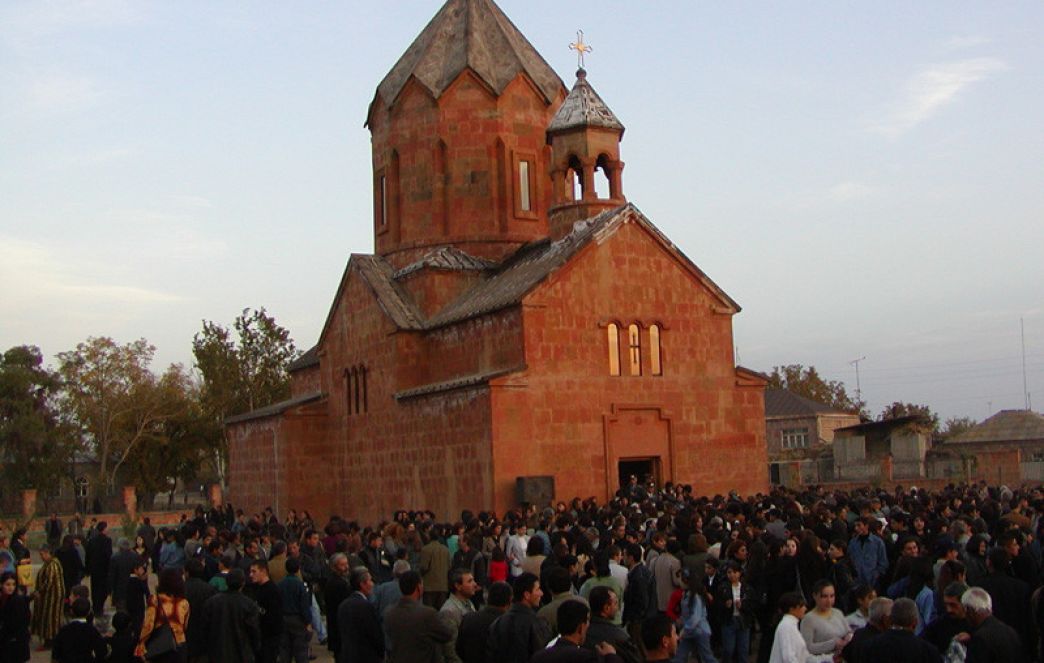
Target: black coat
<point x="360" y="635"/>
<point x="72" y="566"/>
<point x="748" y="601"/>
<point x="859" y="649"/>
<point x="14" y="629"/>
<point x="335" y="591"/>
<point x="121" y="565"/>
<point x="78" y="642"/>
<point x="517" y="635"/>
<point x="99" y="554"/>
<point x="137" y="600"/>
<point x="602" y="631"/>
<point x="196" y="593"/>
<point x="1011" y="603"/>
<point x="415" y="632"/>
<point x="474" y="632"/>
<point x="566" y="652"/>
<point x="994" y="642"/>
<point x="902" y="645"/>
<point x="230" y="627"/>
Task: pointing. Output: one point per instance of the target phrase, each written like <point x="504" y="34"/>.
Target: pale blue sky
<point x="865" y="179"/>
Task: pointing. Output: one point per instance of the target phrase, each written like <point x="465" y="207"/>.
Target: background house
<point x="799" y="433"/>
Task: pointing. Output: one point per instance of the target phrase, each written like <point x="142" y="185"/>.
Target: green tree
<point x="35" y="445"/>
<point x="176" y="446"/>
<point x="114" y="398"/>
<point x="807" y="382"/>
<point x="956" y="425"/>
<point x="899" y="409"/>
<point x="243" y="369"/>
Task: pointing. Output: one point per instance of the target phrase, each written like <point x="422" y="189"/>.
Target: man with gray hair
<point x="991" y="640"/>
<point x="899" y="642"/>
<point x="878" y="621"/>
<point x="387" y="594"/>
<point x="335" y="590"/>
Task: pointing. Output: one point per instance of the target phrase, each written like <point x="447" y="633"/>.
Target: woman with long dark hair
<point x="14" y="621"/>
<point x="168" y="607"/>
<point x="919" y="588"/>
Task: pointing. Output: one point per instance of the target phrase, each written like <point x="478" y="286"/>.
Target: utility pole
<point x="859" y="392"/>
<point x="1025" y="389"/>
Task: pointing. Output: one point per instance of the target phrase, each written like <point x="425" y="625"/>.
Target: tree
<point x="807" y="382"/>
<point x="242" y="374"/>
<point x="957" y="425"/>
<point x="899" y="409"/>
<point x="114" y="397"/>
<point x="176" y="446"/>
<point x="35" y="445"/>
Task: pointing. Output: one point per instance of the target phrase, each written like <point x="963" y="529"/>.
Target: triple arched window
<point x="626" y="354"/>
<point x="355" y="389"/>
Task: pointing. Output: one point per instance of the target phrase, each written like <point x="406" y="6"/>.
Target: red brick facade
<point x="436" y="384"/>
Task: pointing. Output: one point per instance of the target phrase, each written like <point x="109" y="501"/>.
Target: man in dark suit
<point x="414" y="630"/>
<point x="992" y="641"/>
<point x="474" y="627"/>
<point x="197" y="591"/>
<point x="99" y="554"/>
<point x="899" y="642"/>
<point x="335" y="590"/>
<point x="121" y="566"/>
<point x="230" y="625"/>
<point x="360" y="633"/>
<point x="78" y="640"/>
<point x="574" y="618"/>
<point x="1009" y="596"/>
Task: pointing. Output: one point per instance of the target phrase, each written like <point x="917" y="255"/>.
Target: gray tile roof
<point x="308" y="359"/>
<point x="455" y="383"/>
<point x="471" y="34"/>
<point x="275" y="408"/>
<point x="395" y="302"/>
<point x="446" y="257"/>
<point x="1005" y="426"/>
<point x="783" y="403"/>
<point x="583" y="108"/>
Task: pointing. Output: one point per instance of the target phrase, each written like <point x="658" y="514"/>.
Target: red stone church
<point x="518" y="317"/>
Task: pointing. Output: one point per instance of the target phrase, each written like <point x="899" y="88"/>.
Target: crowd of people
<point x="655" y="574"/>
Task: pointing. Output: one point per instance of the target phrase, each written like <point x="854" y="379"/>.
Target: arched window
<point x="576" y="178"/>
<point x="634" y="344"/>
<point x="601" y="183"/>
<point x="613" y="333"/>
<point x="82" y="487"/>
<point x="655" y="365"/>
<point x="348" y="389"/>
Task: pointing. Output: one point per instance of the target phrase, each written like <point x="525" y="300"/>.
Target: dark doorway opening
<point x="646" y="469"/>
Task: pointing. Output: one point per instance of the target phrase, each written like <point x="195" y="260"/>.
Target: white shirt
<point x="789" y="647"/>
<point x="516" y="552"/>
<point x="620" y="573"/>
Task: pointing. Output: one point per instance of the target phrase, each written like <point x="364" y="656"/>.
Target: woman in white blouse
<point x="788" y="645"/>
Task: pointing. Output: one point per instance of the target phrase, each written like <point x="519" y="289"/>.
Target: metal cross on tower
<point x="580" y="47"/>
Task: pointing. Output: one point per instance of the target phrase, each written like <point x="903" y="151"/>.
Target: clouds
<point x="933" y="88"/>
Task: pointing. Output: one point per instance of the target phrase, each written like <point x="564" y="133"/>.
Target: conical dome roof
<point x="583" y="108"/>
<point x="471" y="34"/>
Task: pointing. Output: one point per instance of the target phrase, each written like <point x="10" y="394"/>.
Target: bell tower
<point x="584" y="136"/>
<point x="460" y="157"/>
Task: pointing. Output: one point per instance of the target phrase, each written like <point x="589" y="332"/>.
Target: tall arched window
<point x="634" y="344"/>
<point x="655" y="365"/>
<point x="614" y="349"/>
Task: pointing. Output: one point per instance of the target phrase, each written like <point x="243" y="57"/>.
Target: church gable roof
<point x="469" y="34"/>
<point x="1005" y="426"/>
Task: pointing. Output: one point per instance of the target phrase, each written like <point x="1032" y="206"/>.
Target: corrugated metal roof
<point x="1005" y="426"/>
<point x="583" y="108"/>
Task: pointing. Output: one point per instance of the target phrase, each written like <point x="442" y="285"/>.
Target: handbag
<point x="161" y="641"/>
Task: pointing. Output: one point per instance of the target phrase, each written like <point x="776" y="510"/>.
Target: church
<point x="521" y="332"/>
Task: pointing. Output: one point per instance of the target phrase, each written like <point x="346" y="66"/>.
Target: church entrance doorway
<point x="645" y="469"/>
